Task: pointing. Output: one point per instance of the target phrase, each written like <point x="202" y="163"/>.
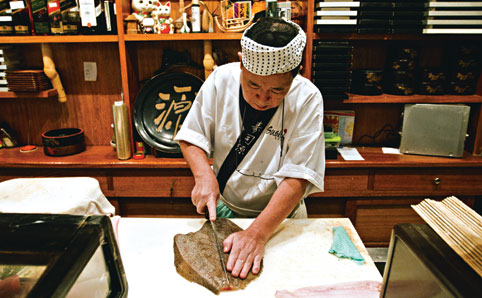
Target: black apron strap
<point x="254" y="123"/>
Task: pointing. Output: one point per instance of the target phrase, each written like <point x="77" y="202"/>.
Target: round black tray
<point x="161" y="107"/>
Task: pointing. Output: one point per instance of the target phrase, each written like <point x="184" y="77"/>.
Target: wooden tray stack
<point x="456" y="224"/>
<point x="453" y="17"/>
<point x="10" y="59"/>
<point x="27" y="81"/>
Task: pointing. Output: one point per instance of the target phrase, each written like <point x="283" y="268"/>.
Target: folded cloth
<point x="66" y="195"/>
<point x="343" y="247"/>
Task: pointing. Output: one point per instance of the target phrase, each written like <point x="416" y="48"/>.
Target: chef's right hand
<point x="206" y="194"/>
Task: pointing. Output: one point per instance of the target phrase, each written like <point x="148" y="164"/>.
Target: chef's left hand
<point x="247" y="249"/>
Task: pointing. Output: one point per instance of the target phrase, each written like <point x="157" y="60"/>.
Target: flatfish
<point x="196" y="257"/>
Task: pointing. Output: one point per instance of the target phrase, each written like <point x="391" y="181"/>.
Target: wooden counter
<point x="374" y="193"/>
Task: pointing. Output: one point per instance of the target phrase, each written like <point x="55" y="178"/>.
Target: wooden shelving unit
<point x="41" y="94"/>
<point x="126" y="60"/>
<point x="374" y="193"/>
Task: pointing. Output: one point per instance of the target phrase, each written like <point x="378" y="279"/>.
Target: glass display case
<point x="59" y="255"/>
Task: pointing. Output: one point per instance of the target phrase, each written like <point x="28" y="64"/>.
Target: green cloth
<point x="222" y="211"/>
<point x="343" y="247"/>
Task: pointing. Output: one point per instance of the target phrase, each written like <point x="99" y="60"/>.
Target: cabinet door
<point x="374" y="218"/>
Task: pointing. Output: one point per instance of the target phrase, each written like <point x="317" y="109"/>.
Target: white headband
<point x="266" y="60"/>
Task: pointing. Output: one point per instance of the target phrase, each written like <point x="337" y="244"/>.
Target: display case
<point x="421" y="264"/>
<point x="59" y="255"/>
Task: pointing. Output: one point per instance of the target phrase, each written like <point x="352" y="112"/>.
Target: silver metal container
<point x="434" y="129"/>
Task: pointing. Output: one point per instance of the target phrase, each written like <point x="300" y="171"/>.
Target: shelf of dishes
<point x="416" y="98"/>
<point x="57" y="39"/>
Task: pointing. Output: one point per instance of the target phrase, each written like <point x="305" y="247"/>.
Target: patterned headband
<point x="266" y="60"/>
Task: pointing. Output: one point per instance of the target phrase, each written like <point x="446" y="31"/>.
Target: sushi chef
<point x="262" y="123"/>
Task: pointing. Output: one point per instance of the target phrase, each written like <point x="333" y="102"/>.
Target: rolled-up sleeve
<point x="305" y="154"/>
<point x="305" y="161"/>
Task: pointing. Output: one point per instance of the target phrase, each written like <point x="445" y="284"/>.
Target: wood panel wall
<point x="89" y="104"/>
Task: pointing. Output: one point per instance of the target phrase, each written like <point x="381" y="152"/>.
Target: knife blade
<point x="220" y="252"/>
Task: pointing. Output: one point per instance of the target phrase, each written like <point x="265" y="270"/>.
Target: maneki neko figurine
<point x="162" y="18"/>
<point x="142" y="9"/>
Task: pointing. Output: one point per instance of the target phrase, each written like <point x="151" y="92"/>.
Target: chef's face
<point x="264" y="92"/>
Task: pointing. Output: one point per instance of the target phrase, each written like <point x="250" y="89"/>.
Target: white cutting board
<point x="296" y="256"/>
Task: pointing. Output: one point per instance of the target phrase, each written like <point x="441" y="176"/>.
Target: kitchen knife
<point x="220" y="252"/>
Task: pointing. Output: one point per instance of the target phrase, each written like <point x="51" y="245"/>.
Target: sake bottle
<point x="196" y="16"/>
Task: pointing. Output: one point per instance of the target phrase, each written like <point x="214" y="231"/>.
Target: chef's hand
<point x="247" y="249"/>
<point x="205" y="194"/>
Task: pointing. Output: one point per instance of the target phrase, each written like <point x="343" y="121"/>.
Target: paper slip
<point x="350" y="153"/>
<point x="388" y="150"/>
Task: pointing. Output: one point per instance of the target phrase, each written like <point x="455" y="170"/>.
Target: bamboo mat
<point x="458" y="225"/>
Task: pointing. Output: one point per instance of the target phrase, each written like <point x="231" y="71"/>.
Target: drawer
<point x="342" y="180"/>
<point x="152" y="183"/>
<point x="431" y="179"/>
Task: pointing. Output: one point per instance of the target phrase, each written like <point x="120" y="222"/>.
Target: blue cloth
<point x="343" y="247"/>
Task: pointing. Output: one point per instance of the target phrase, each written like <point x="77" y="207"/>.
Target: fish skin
<point x="196" y="257"/>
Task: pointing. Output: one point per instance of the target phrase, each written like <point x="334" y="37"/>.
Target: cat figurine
<point x="162" y="16"/>
<point x="142" y="9"/>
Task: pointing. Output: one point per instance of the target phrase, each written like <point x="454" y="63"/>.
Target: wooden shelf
<point x="105" y="157"/>
<point x="416" y="98"/>
<point x="187" y="36"/>
<point x="58" y="39"/>
<point x="422" y="37"/>
<point x="41" y="94"/>
<point x="92" y="157"/>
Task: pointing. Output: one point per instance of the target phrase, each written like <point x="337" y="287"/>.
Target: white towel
<point x="67" y="195"/>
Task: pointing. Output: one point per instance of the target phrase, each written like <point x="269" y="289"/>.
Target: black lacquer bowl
<point x="63" y="141"/>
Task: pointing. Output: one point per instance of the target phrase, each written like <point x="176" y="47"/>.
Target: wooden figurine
<point x="132" y="24"/>
<point x="298" y="12"/>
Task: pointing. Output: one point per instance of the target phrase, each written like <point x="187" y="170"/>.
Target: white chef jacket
<point x="214" y="123"/>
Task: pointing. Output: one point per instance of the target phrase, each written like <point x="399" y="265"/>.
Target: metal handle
<point x="436" y="181"/>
